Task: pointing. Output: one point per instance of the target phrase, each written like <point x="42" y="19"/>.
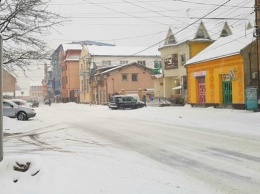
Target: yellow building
<point x="216" y="75"/>
<point x="171" y="82"/>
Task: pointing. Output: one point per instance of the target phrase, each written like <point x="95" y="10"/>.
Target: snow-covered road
<point x="149" y="150"/>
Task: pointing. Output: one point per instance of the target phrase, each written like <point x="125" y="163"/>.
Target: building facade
<point x="94" y="57"/>
<point x="36" y="92"/>
<point x="70" y="75"/>
<point x="171" y="81"/>
<point x="9" y="82"/>
<point x="219" y="74"/>
<point x="131" y="78"/>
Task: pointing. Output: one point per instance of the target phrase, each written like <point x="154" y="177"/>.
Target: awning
<point x="176" y="88"/>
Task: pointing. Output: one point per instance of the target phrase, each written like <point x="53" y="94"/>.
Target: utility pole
<point x="257" y="34"/>
<point x="1" y="99"/>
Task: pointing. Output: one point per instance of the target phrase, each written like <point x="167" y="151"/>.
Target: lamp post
<point x="1" y="99"/>
<point x="257" y="24"/>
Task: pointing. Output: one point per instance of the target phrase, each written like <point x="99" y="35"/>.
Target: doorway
<point x="202" y="90"/>
<point x="227" y="89"/>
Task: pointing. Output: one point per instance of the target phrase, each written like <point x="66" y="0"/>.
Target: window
<point x="106" y="63"/>
<point x="183" y="59"/>
<point x="200" y="34"/>
<point x="224" y="33"/>
<point x="141" y="63"/>
<point x="171" y="40"/>
<point x="6" y="104"/>
<point x="123" y="62"/>
<point x="124" y="77"/>
<point x="134" y="77"/>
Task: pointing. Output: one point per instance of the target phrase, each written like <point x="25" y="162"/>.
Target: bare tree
<point x="24" y="24"/>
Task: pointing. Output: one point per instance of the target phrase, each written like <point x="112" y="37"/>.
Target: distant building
<point x="36" y="91"/>
<point x="131" y="78"/>
<point x="65" y="72"/>
<point x="9" y="82"/>
<point x="96" y="57"/>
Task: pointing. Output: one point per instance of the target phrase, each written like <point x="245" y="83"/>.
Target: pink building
<point x="131" y="78"/>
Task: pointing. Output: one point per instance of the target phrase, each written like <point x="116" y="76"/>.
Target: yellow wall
<point x="196" y="47"/>
<point x="213" y="79"/>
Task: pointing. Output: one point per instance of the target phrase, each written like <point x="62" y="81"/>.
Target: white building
<point x="36" y="91"/>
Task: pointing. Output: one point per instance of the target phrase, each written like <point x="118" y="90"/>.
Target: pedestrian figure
<point x="144" y="100"/>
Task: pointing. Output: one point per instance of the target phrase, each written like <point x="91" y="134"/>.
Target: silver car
<point x="12" y="110"/>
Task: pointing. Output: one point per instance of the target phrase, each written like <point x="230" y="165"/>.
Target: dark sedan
<point x="123" y="102"/>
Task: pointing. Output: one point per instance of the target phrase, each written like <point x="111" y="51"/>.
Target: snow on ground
<point x="99" y="167"/>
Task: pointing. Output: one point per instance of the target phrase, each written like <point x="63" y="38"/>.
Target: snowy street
<point x="91" y="149"/>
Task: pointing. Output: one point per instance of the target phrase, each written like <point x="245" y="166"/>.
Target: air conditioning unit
<point x="255" y="75"/>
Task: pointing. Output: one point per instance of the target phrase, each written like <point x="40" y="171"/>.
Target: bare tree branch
<point x="23" y="25"/>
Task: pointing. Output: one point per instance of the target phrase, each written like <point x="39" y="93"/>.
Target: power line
<point x="220" y="18"/>
<point x="149" y="1"/>
<point x="202" y="3"/>
<point x="152" y="11"/>
<point x="125" y="13"/>
<point x="183" y="28"/>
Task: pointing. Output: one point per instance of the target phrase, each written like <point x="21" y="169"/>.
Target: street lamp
<point x="1" y="99"/>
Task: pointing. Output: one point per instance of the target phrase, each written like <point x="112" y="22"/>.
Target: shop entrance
<point x="202" y="90"/>
<point x="227" y="89"/>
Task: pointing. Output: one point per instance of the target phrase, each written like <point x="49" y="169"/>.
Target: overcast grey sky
<point x="137" y="22"/>
<point x="140" y="22"/>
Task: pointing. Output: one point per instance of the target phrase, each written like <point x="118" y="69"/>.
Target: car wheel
<point x="21" y="116"/>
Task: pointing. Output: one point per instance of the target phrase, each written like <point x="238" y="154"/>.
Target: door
<point x="202" y="90"/>
<point x="227" y="92"/>
<point x="227" y="89"/>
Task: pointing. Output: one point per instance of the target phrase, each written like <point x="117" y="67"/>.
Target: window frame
<point x="136" y="76"/>
<point x="124" y="80"/>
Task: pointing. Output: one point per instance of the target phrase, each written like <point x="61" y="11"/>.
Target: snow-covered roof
<point x="90" y="42"/>
<point x="36" y="83"/>
<point x="124" y="65"/>
<point x="223" y="47"/>
<point x="122" y="51"/>
<point x="71" y="47"/>
<point x="212" y="31"/>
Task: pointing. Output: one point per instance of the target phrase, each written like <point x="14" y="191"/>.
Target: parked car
<point x="140" y="104"/>
<point x="12" y="110"/>
<point x="122" y="102"/>
<point x="20" y="102"/>
<point x="47" y="102"/>
<point x="33" y="103"/>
